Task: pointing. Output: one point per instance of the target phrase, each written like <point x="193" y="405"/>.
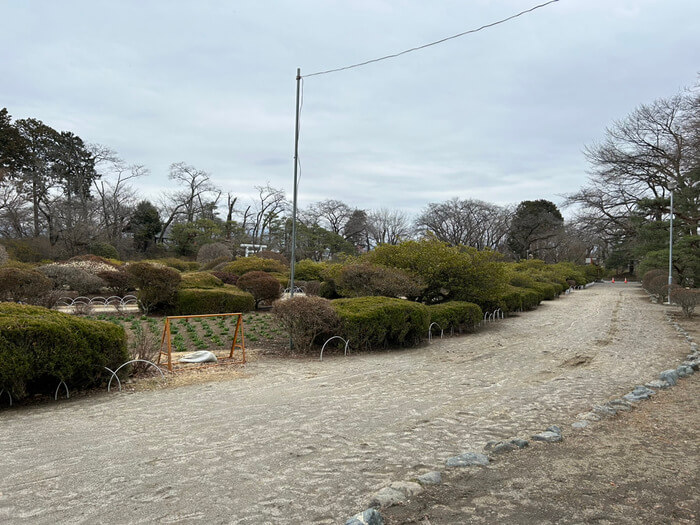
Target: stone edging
<point x="400" y="491"/>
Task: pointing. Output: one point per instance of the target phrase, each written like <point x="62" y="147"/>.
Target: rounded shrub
<point x="41" y="347"/>
<point x="213" y="251"/>
<point x="305" y="318"/>
<point x="250" y="264"/>
<point x="546" y="290"/>
<point x="23" y="285"/>
<point x="118" y="283"/>
<point x="375" y="322"/>
<point x="103" y="249"/>
<point x="269" y="254"/>
<point x="199" y="280"/>
<point x="222" y="300"/>
<point x="650" y="275"/>
<point x="262" y="286"/>
<point x="73" y="277"/>
<point x="364" y="279"/>
<point x="457" y="315"/>
<point x="308" y="270"/>
<point x="157" y="285"/>
<point x="225" y="277"/>
<point x="686" y="298"/>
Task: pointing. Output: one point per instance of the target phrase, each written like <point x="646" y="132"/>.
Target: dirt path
<point x="308" y="441"/>
<point x="640" y="467"/>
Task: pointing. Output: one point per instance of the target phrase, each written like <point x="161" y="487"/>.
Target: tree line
<point x="60" y="196"/>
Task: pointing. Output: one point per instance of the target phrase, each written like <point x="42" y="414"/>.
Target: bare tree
<point x="269" y="209"/>
<point x="331" y="214"/>
<point x="388" y="226"/>
<point x="469" y="222"/>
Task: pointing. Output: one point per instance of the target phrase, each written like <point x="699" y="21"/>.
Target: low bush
<point x="225" y="277"/>
<point x="546" y="290"/>
<point x="459" y="316"/>
<point x="74" y="278"/>
<point x="308" y="270"/>
<point x="212" y="252"/>
<point x="250" y="264"/>
<point x="211" y="265"/>
<point x="375" y="322"/>
<point x="40" y="347"/>
<point x="157" y="285"/>
<point x="269" y="254"/>
<point x="103" y="249"/>
<point x="686" y="298"/>
<point x="222" y="300"/>
<point x="23" y="285"/>
<point x="364" y="279"/>
<point x="118" y="283"/>
<point x="650" y="275"/>
<point x="658" y="286"/>
<point x="200" y="280"/>
<point x="262" y="286"/>
<point x="305" y="318"/>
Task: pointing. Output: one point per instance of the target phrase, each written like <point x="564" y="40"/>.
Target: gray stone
<point x="658" y="384"/>
<point x="368" y="517"/>
<point x="685" y="371"/>
<point x="386" y="497"/>
<point x="499" y="447"/>
<point x="693" y="363"/>
<point x="588" y="416"/>
<point x="619" y="404"/>
<point x="604" y="410"/>
<point x="638" y="394"/>
<point x="548" y="437"/>
<point x="554" y="429"/>
<point x="430" y="478"/>
<point x="694" y="347"/>
<point x="468" y="459"/>
<point x="580" y="424"/>
<point x="670" y="376"/>
<point x="520" y="443"/>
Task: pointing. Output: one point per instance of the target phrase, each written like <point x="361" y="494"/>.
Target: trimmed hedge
<point x="374" y="322"/>
<point x="157" y="285"/>
<point x="41" y="347"/>
<point x="546" y="290"/>
<point x="249" y="264"/>
<point x="203" y="280"/>
<point x="459" y="315"/>
<point x="226" y="299"/>
<point x="529" y="297"/>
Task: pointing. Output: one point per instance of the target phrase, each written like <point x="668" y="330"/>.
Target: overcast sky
<point x="501" y="115"/>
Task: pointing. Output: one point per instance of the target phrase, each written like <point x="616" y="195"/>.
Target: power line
<point x="411" y="50"/>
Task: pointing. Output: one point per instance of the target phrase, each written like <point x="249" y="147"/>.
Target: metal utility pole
<point x="294" y="202"/>
<point x="671" y="187"/>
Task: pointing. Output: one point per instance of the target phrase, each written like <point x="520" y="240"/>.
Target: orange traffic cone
<point x="625" y="280"/>
<point x="613" y="281"/>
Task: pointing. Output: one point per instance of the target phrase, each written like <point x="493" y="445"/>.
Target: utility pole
<point x="294" y="202"/>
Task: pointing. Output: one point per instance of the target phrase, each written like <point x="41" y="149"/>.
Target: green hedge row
<point x="375" y="322"/>
<point x="225" y="299"/>
<point x="41" y="347"/>
<point x="458" y="315"/>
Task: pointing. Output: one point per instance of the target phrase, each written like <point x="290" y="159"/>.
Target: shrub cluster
<point x="40" y="347"/>
<point x="250" y="264"/>
<point x="364" y="279"/>
<point x="213" y="251"/>
<point x="457" y="315"/>
<point x="157" y="285"/>
<point x="686" y="298"/>
<point x="23" y="285"/>
<point x="375" y="322"/>
<point x="305" y="318"/>
<point x="222" y="300"/>
<point x="75" y="278"/>
<point x="204" y="280"/>
<point x="261" y="285"/>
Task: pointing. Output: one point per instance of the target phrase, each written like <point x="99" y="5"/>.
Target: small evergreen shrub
<point x="200" y="280"/>
<point x="157" y="285"/>
<point x="250" y="264"/>
<point x="103" y="249"/>
<point x="225" y="277"/>
<point x="546" y="290"/>
<point x="41" y="347"/>
<point x="308" y="270"/>
<point x="375" y="322"/>
<point x="222" y="300"/>
<point x="305" y="318"/>
<point x="364" y="279"/>
<point x="213" y="251"/>
<point x="118" y="283"/>
<point x="458" y="315"/>
<point x="263" y="286"/>
<point x="27" y="286"/>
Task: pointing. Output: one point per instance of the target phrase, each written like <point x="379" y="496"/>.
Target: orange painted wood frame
<point x="238" y="339"/>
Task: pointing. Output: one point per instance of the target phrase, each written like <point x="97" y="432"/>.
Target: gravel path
<point x="308" y="441"/>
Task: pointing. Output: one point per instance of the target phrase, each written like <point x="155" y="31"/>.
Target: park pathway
<point x="303" y="441"/>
